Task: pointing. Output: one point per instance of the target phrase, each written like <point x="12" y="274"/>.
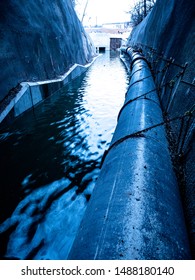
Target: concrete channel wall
<point x="173" y="40"/>
<point x="135" y="211"/>
<point x="32" y="93"/>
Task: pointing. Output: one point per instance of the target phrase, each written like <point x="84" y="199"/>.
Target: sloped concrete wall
<point x="168" y="31"/>
<point x="39" y="40"/>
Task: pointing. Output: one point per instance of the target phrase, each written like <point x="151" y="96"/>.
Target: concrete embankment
<point x="40" y="41"/>
<point x="166" y="38"/>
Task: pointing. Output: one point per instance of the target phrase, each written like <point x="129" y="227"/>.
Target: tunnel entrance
<point x="102" y="49"/>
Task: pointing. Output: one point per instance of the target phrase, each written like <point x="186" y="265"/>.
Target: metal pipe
<point x="135" y="210"/>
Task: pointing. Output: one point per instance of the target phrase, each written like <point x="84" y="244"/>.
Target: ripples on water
<point x="50" y="160"/>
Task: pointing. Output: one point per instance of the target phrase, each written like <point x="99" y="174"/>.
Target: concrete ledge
<point x="32" y="93"/>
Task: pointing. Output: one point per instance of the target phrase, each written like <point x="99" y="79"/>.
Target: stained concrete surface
<point x="168" y="31"/>
<point x="39" y="40"/>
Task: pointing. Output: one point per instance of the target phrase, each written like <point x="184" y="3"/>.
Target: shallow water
<point x="50" y="161"/>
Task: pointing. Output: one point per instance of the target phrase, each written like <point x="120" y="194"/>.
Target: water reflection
<point x="50" y="161"/>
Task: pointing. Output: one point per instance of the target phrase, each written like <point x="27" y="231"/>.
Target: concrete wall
<point x="39" y="40"/>
<point x="168" y="31"/>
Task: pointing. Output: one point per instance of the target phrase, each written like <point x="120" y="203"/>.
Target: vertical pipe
<point x="145" y="14"/>
<point x="135" y="210"/>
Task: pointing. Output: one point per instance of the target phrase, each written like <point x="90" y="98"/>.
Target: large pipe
<point x="135" y="211"/>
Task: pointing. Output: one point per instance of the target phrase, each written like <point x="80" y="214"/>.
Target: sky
<point x="104" y="11"/>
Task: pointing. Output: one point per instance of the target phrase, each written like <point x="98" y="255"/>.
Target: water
<point x="50" y="161"/>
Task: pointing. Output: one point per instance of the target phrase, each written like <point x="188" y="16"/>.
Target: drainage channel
<point x="50" y="160"/>
<point x="135" y="211"/>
